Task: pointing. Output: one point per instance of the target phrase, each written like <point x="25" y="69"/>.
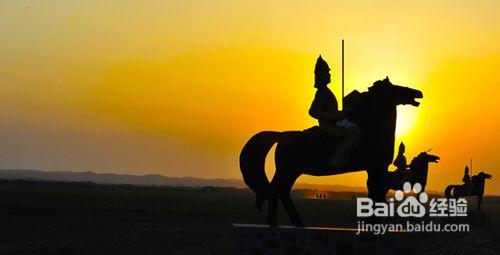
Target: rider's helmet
<point x="401" y="148"/>
<point x="321" y="72"/>
<point x="466" y="171"/>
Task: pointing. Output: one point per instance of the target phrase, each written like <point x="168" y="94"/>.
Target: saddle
<point x="468" y="188"/>
<point x="320" y="142"/>
<point x="320" y="146"/>
<point x="315" y="134"/>
<point x="312" y="130"/>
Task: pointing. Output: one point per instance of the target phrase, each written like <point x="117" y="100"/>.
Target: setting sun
<point x="406" y="122"/>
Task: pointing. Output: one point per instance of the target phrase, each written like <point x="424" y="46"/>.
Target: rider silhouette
<point x="324" y="108"/>
<point x="400" y="161"/>
<point x="466" y="179"/>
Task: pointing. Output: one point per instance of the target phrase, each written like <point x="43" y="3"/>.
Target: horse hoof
<point x="272" y="223"/>
<point x="300" y="225"/>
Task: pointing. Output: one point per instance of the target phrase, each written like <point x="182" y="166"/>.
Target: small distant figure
<point x="416" y="171"/>
<point x="320" y="195"/>
<point x="473" y="186"/>
<point x="331" y="121"/>
<point x="466" y="178"/>
<point x="400" y="161"/>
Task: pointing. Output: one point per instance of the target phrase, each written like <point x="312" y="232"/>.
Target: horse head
<point x="483" y="176"/>
<point x="419" y="167"/>
<point x="429" y="158"/>
<point x="395" y="94"/>
<point x="423" y="159"/>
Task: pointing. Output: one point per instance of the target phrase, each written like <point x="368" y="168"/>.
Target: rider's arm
<point x="319" y="112"/>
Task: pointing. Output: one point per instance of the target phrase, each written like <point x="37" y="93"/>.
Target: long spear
<point x="471" y="167"/>
<point x="343" y="107"/>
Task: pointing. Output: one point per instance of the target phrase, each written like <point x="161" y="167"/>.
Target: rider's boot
<point x="338" y="160"/>
<point x="340" y="156"/>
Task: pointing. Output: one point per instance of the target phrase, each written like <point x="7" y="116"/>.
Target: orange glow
<point x="176" y="87"/>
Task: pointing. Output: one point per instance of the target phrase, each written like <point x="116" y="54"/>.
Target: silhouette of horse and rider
<point x="361" y="137"/>
<point x="472" y="186"/>
<point x="413" y="173"/>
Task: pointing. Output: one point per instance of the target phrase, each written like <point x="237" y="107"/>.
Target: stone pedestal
<point x="250" y="239"/>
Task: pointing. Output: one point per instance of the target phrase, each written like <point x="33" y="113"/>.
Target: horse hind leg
<point x="479" y="200"/>
<point x="292" y="212"/>
<point x="272" y="204"/>
<point x="281" y="186"/>
<point x="288" y="202"/>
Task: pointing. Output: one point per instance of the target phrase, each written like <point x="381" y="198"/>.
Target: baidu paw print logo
<point x="411" y="206"/>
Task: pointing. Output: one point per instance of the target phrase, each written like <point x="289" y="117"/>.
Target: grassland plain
<point x="83" y="218"/>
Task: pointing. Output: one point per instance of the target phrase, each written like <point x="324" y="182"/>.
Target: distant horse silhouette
<point x="307" y="152"/>
<point x="476" y="189"/>
<point x="419" y="167"/>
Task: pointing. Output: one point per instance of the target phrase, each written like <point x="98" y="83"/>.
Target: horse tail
<point x="252" y="164"/>
<point x="447" y="191"/>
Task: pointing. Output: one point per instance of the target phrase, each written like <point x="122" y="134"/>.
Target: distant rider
<point x="400" y="161"/>
<point x="466" y="179"/>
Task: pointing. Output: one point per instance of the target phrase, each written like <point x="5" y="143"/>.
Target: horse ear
<point x="387" y="80"/>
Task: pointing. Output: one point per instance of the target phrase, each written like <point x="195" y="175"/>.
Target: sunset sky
<point x="177" y="87"/>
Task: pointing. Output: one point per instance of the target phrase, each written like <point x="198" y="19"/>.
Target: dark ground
<point x="58" y="218"/>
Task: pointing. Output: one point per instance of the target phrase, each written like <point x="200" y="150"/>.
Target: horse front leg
<point x="377" y="184"/>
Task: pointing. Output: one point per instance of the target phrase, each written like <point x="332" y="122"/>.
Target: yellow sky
<point x="177" y="87"/>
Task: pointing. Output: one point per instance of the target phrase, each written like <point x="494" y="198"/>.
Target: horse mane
<point x="480" y="174"/>
<point x="416" y="159"/>
<point x="355" y="100"/>
<point x="360" y="106"/>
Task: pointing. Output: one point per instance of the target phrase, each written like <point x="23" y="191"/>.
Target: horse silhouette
<point x="419" y="167"/>
<point x="308" y="152"/>
<point x="476" y="188"/>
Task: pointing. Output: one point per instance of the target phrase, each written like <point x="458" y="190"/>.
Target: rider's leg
<point x="350" y="138"/>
